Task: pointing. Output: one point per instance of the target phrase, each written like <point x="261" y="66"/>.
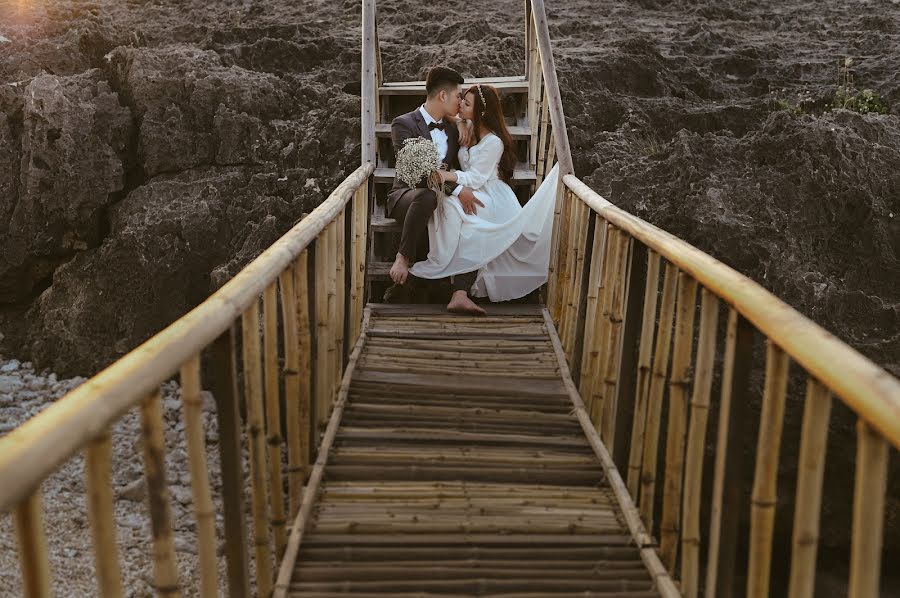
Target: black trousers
<point x="414" y="209"/>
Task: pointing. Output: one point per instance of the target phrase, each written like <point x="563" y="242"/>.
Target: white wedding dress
<point x="507" y="243"/>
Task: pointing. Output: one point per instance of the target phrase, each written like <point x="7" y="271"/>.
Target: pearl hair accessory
<point x="483" y="103"/>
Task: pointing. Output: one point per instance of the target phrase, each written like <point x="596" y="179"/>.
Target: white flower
<point x="416" y="160"/>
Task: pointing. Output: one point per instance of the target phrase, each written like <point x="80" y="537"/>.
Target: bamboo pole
<point x="548" y="66"/>
<point x="595" y="386"/>
<point x="33" y="547"/>
<point x="810" y="472"/>
<point x="655" y="397"/>
<point x="728" y="491"/>
<point x="101" y="512"/>
<point x="559" y="251"/>
<point x="591" y="342"/>
<point x="363" y="228"/>
<point x="868" y="512"/>
<point x="292" y="386"/>
<point x="570" y="272"/>
<point x="544" y="146"/>
<point x="323" y="379"/>
<point x="696" y="445"/>
<point x="353" y="266"/>
<point x="331" y="323"/>
<point x="370" y="75"/>
<point x="765" y="479"/>
<point x="274" y="439"/>
<point x="165" y="572"/>
<point x="645" y="357"/>
<point x="256" y="438"/>
<point x="223" y="384"/>
<point x="581" y="225"/>
<point x="670" y="529"/>
<point x="613" y="343"/>
<point x="554" y="269"/>
<point x="339" y="302"/>
<point x="306" y="394"/>
<point x="204" y="510"/>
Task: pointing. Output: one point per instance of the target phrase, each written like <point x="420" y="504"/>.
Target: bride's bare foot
<point x="400" y="269"/>
<point x="461" y="304"/>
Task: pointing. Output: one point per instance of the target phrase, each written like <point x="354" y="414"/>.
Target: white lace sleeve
<point x="482" y="163"/>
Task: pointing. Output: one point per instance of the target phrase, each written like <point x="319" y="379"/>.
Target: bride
<point x="507" y="244"/>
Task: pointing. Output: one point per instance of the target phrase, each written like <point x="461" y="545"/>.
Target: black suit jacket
<point x="412" y="124"/>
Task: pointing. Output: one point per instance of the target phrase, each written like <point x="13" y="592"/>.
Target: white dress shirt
<point x="440" y="140"/>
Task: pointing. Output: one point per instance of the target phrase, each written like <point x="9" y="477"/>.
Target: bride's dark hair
<point x="490" y="113"/>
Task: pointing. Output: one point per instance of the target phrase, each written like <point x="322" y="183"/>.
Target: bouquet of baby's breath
<point x="418" y="160"/>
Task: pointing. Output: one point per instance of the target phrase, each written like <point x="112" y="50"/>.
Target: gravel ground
<point x="24" y="393"/>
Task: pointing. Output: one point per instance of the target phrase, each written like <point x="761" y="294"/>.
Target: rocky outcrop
<point x="65" y="157"/>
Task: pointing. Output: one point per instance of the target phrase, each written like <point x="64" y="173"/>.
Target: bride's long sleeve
<point x="482" y="164"/>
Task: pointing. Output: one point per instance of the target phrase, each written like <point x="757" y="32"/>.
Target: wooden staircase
<point x="526" y="111"/>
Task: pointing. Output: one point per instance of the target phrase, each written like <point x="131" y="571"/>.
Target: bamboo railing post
<point x="559" y="250"/>
<point x="339" y="322"/>
<point x="370" y="71"/>
<point x="587" y="268"/>
<point x="613" y="341"/>
<point x="670" y="524"/>
<point x="636" y="264"/>
<point x="659" y="373"/>
<point x="292" y="381"/>
<point x="223" y="383"/>
<point x="594" y="387"/>
<point x="571" y="274"/>
<point x="165" y="571"/>
<point x="33" y="547"/>
<point x="304" y="289"/>
<point x="323" y="378"/>
<point x="728" y="491"/>
<point x="204" y="510"/>
<point x="101" y="512"/>
<point x="584" y="372"/>
<point x="696" y="445"/>
<point x="256" y="438"/>
<point x="274" y="439"/>
<point x="577" y="286"/>
<point x="765" y="479"/>
<point x="333" y="314"/>
<point x="810" y="472"/>
<point x="868" y="512"/>
<point x="548" y="66"/>
<point x="642" y="390"/>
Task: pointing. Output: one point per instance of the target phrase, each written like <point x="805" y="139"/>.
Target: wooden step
<point x="516" y="131"/>
<point x="382" y="224"/>
<point x="520" y="177"/>
<point x="378" y="271"/>
<point x="505" y="85"/>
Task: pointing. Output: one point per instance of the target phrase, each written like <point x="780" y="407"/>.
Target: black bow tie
<point x="434" y="125"/>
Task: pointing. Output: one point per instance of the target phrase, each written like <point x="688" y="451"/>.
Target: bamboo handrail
<point x="32" y="451"/>
<point x="866" y="388"/>
<point x="370" y="70"/>
<point x="548" y="65"/>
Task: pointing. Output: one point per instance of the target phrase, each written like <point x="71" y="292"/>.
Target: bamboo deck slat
<point x="443" y="478"/>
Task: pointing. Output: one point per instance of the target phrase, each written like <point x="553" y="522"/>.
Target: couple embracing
<point x="478" y="235"/>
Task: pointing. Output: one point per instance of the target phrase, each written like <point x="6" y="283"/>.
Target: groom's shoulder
<point x="406" y="117"/>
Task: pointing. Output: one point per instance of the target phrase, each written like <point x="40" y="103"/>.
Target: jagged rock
<point x="66" y="151"/>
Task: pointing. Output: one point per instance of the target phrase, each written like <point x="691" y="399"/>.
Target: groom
<point x="413" y="206"/>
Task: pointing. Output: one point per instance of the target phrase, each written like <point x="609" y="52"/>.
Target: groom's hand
<point x="468" y="201"/>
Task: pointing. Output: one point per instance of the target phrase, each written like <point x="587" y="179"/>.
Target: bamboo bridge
<point x="549" y="449"/>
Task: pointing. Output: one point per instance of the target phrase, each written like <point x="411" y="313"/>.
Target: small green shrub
<point x="849" y="97"/>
